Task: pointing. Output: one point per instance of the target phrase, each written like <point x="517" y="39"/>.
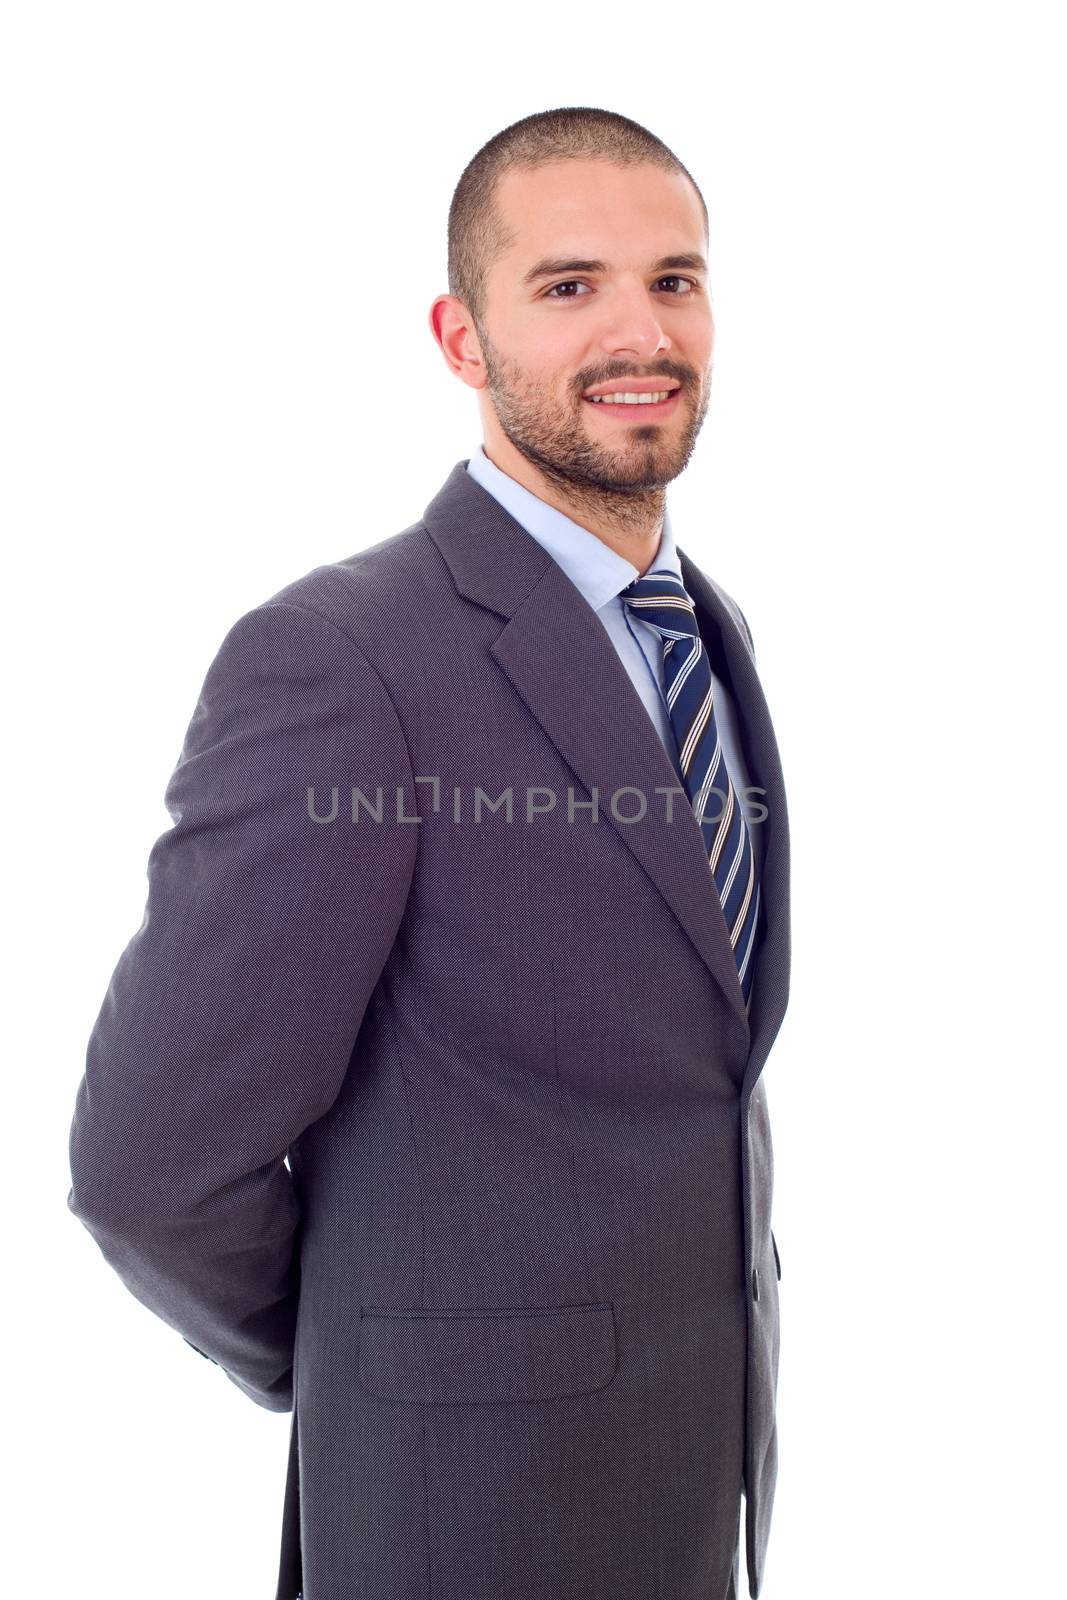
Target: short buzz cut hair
<point x="478" y="234"/>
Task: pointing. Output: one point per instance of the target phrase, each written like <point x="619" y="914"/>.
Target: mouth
<point x="636" y="410"/>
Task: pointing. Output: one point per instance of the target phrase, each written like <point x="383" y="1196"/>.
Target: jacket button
<point x="755" y="1283"/>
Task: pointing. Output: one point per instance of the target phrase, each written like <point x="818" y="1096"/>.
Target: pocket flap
<point x="462" y="1357"/>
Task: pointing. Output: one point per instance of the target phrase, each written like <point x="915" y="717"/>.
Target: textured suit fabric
<point x="517" y="1281"/>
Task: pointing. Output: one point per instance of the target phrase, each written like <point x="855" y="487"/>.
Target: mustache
<point x="684" y="380"/>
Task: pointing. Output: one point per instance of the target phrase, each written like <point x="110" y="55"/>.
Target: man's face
<point x="548" y="340"/>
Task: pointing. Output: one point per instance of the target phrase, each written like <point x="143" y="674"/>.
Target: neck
<point x="629" y="524"/>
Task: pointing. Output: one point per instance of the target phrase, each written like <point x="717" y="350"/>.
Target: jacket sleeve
<point x="230" y="1020"/>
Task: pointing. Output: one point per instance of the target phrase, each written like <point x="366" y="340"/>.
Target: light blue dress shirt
<point x="600" y="574"/>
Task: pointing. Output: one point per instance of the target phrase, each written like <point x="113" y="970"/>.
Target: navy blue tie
<point x="660" y="599"/>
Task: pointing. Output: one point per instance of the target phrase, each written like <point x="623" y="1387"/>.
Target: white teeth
<point x="630" y="399"/>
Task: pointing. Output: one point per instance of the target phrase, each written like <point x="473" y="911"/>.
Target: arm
<point x="229" y="1022"/>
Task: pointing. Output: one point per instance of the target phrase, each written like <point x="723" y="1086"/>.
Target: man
<point x="468" y="909"/>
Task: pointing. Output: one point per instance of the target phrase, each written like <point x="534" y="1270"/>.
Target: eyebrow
<point x="552" y="266"/>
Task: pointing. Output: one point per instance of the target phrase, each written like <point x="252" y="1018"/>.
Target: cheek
<point x="553" y="355"/>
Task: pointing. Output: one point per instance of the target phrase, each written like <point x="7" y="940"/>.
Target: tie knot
<point x="660" y="599"/>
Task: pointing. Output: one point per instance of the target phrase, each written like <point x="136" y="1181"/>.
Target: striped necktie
<point x="660" y="599"/>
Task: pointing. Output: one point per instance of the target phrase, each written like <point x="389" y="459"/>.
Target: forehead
<point x="625" y="215"/>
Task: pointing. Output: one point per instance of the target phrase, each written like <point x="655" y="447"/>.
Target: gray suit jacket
<point x="402" y="1122"/>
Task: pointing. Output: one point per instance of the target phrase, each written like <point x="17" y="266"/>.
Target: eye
<point x="575" y="283"/>
<point x="571" y="284"/>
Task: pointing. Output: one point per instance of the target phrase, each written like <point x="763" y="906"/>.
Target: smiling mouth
<point x="634" y="410"/>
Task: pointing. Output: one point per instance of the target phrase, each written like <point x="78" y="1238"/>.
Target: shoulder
<point x="738" y="615"/>
<point x="337" y="629"/>
<point x="366" y="609"/>
<point x="374" y="594"/>
<point x="733" y="610"/>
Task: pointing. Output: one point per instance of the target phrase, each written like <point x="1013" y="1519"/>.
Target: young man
<point x="475" y="906"/>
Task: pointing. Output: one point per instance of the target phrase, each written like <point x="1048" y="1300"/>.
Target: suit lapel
<point x="770" y="989"/>
<point x="562" y="662"/>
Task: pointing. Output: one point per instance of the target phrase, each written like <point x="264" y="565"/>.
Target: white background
<point x="224" y="226"/>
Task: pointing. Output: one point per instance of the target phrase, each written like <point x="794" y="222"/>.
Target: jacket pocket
<point x="465" y="1357"/>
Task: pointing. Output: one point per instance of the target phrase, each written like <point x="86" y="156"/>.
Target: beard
<point x="629" y="466"/>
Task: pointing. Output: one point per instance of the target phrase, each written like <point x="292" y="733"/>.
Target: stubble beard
<point x="628" y="480"/>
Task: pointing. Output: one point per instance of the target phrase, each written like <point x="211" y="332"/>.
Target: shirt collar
<point x="596" y="571"/>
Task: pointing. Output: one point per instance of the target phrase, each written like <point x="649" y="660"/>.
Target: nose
<point x="632" y="327"/>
